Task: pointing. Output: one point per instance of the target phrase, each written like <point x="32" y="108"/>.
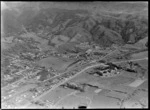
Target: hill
<point x="104" y="27"/>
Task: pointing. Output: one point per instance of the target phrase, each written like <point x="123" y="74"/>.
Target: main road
<point x="80" y="73"/>
<point x="54" y="87"/>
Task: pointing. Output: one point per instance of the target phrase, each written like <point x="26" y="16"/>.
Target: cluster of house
<point x="108" y="70"/>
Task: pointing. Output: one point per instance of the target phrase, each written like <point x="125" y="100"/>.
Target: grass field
<point x="72" y="102"/>
<point x="56" y="94"/>
<point x="56" y="63"/>
<point x="140" y="55"/>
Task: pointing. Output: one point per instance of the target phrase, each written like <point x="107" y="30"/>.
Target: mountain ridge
<point x="102" y="29"/>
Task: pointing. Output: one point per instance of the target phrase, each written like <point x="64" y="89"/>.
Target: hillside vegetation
<point x="103" y="27"/>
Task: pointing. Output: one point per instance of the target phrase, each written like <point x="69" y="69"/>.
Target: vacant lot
<point x="72" y="102"/>
<point x="140" y="55"/>
<point x="56" y="63"/>
<point x="57" y="94"/>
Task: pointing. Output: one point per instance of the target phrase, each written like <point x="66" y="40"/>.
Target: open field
<point x="71" y="55"/>
<point x="56" y="63"/>
<point x="125" y="83"/>
<point x="72" y="101"/>
<point x="56" y="94"/>
<point x="139" y="55"/>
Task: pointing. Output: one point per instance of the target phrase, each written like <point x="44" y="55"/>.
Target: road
<point x="55" y="86"/>
<point x="67" y="71"/>
<point x="69" y="79"/>
<point x="63" y="82"/>
<point x="81" y="72"/>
